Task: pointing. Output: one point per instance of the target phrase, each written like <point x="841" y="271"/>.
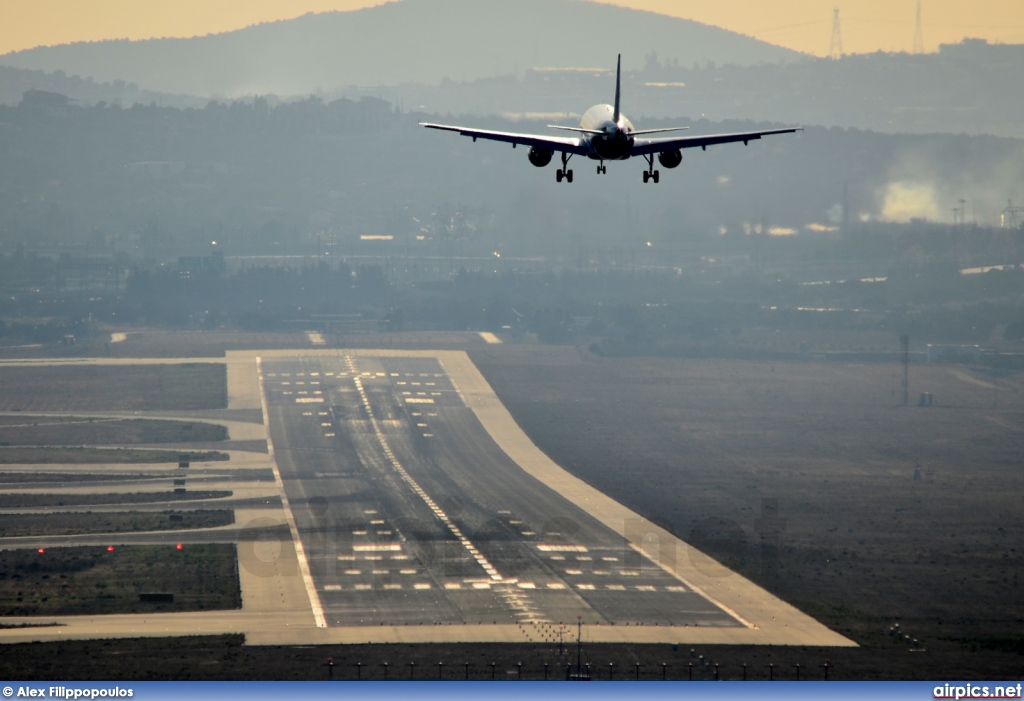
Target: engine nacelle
<point x="540" y="157"/>
<point x="670" y="159"/>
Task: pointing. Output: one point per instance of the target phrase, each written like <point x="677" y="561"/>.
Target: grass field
<point x="100" y="456"/>
<point x="91" y="580"/>
<point x="28" y="500"/>
<point x="700" y="444"/>
<point x="74" y="523"/>
<point x="248" y="474"/>
<point x="71" y="430"/>
<point x="110" y="388"/>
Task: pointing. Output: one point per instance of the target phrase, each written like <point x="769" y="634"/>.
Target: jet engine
<point x="540" y="157"/>
<point x="670" y="159"/>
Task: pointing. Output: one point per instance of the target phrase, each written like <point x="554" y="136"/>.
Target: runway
<point x="409" y="513"/>
<point x="408" y="506"/>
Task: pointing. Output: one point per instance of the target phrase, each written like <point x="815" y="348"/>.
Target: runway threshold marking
<point x="300" y="552"/>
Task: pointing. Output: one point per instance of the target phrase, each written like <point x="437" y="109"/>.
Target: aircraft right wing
<point x="645" y="146"/>
<point x="553" y="143"/>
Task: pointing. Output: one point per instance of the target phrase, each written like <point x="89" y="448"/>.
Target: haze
<point x="802" y="25"/>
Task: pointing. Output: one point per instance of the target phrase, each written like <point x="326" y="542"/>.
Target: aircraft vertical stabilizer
<point x="618" y="83"/>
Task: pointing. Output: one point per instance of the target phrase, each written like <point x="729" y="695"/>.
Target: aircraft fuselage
<point x="616" y="142"/>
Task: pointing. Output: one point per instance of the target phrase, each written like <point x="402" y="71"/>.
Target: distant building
<point x="202" y="266"/>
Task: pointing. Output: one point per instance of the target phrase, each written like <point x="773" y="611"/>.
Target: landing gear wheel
<point x="558" y="175"/>
<point x="602" y="170"/>
<point x="650" y="173"/>
<point x="565" y="172"/>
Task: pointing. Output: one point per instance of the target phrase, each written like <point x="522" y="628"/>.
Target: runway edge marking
<point x="300" y="552"/>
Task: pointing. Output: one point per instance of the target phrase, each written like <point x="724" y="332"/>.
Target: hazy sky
<point x="804" y="25"/>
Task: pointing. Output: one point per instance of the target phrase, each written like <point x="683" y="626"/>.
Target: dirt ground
<point x="225" y="657"/>
<point x="157" y="343"/>
<point x="102" y="456"/>
<point x="73" y="430"/>
<point x="33" y="500"/>
<point x="112" y="388"/>
<point x="92" y="580"/>
<point x="71" y="523"/>
<point x="885" y="513"/>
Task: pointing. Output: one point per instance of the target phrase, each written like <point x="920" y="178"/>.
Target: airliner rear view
<point x="606" y="135"/>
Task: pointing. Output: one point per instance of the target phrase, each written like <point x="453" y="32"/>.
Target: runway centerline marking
<point x="511" y="597"/>
<point x="416" y="488"/>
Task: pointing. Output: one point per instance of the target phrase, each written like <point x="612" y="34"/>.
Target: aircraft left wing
<point x="642" y="147"/>
<point x="554" y="143"/>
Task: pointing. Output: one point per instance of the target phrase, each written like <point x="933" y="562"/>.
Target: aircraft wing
<point x="554" y="143"/>
<point x="642" y="147"/>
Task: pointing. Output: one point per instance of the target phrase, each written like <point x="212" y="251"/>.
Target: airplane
<point x="606" y="135"/>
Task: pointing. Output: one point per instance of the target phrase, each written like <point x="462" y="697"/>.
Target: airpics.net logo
<point x="977" y="691"/>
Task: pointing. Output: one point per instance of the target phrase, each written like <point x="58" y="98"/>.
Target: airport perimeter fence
<point x="700" y="669"/>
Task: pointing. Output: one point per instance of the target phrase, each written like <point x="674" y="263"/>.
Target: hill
<point x="410" y="41"/>
<point x="15" y="82"/>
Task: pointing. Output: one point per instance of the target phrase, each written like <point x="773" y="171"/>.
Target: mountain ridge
<point x="410" y="41"/>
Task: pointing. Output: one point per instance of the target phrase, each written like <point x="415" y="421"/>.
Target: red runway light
<point x="180" y="546"/>
<point x="110" y="548"/>
<point x="42" y="550"/>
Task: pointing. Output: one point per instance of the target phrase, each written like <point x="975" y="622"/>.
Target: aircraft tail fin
<point x="618" y="84"/>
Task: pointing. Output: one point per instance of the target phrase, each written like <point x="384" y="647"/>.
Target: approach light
<point x="180" y="546"/>
<point x="110" y="548"/>
<point x="42" y="550"/>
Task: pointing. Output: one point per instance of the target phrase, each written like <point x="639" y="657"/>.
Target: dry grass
<point x="73" y="523"/>
<point x="91" y="580"/>
<point x="100" y="456"/>
<point x="113" y="388"/>
<point x="699" y="444"/>
<point x="71" y="430"/>
<point x="29" y="500"/>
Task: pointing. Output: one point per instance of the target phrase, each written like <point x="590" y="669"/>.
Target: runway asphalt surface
<point x="409" y="513"/>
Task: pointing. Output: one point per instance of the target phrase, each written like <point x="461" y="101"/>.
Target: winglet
<point x="618" y="83"/>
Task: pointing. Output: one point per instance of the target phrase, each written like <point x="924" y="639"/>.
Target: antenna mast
<point x="835" y="50"/>
<point x="918" y="35"/>
<point x="1009" y="218"/>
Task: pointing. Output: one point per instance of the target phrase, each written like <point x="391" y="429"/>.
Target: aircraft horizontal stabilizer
<point x="577" y="129"/>
<point x="657" y="131"/>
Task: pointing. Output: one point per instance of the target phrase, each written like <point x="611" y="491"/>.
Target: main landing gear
<point x="564" y="172"/>
<point x="650" y="173"/>
<point x="602" y="169"/>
